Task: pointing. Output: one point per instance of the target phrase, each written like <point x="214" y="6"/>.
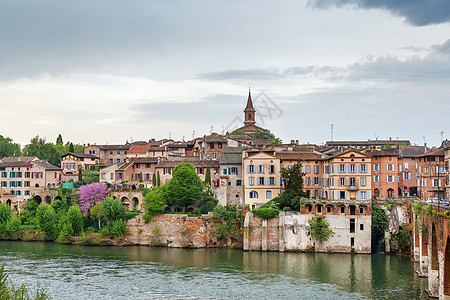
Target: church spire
<point x="249" y="111"/>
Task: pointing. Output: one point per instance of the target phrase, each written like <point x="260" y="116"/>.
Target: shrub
<point x="274" y="203"/>
<point x="14" y="227"/>
<point x="47" y="221"/>
<point x="118" y="228"/>
<point x="5" y="214"/>
<point x="266" y="213"/>
<point x="155" y="203"/>
<point x="208" y="207"/>
<point x="196" y="212"/>
<point x="75" y="218"/>
<point x="319" y="228"/>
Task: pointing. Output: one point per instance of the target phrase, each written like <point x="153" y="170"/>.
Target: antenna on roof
<point x="442" y="136"/>
<point x="193" y="134"/>
<point x="332" y="126"/>
<point x="376" y="137"/>
<point x="211" y="129"/>
<point x="182" y="138"/>
<point x="424" y="142"/>
<point x="170" y="135"/>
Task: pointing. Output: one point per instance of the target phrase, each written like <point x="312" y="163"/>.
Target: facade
<point x="24" y="176"/>
<point x="71" y="163"/>
<point x="261" y="178"/>
<point x="109" y="154"/>
<point x="230" y="188"/>
<point x="347" y="176"/>
<point x="409" y="174"/>
<point x="387" y="179"/>
<point x="431" y="175"/>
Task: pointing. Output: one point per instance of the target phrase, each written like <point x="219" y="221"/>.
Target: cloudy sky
<point x="110" y="71"/>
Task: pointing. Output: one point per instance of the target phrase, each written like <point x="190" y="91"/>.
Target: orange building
<point x="386" y="174"/>
<point x="431" y="175"/>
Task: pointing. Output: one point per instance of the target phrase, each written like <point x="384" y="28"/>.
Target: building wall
<point x="384" y="168"/>
<point x="261" y="178"/>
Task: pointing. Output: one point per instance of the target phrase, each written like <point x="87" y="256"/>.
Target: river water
<point x="77" y="272"/>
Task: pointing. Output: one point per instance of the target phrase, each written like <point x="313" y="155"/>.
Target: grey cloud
<point x="416" y="12"/>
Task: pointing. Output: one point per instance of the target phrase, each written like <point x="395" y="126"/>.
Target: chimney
<point x="296" y="142"/>
<point x="292" y="142"/>
<point x="425" y="144"/>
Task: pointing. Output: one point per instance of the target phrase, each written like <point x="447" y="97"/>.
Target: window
<point x="271" y="169"/>
<point x="352" y="210"/>
<point x="363" y="168"/>
<point x="406" y="166"/>
<point x="352" y="242"/>
<point x="251" y="181"/>
<point x="251" y="169"/>
<point x="238" y="182"/>
<point x="211" y="146"/>
<point x="308" y="180"/>
<point x="342" y="181"/>
<point x="376" y="178"/>
<point x="361" y="226"/>
<point x="328" y="209"/>
<point x="341" y="169"/>
<point x="352" y="169"/>
<point x="4" y="174"/>
<point x="352" y="225"/>
<point x="363" y="181"/>
<point x="166" y="171"/>
<point x="390" y="178"/>
<point x="272" y="181"/>
<point x="376" y="167"/>
<point x="316" y="180"/>
<point x="268" y="195"/>
<point x="260" y="169"/>
<point x="363" y="195"/>
<point x="261" y="181"/>
<point x="436" y="183"/>
<point x="361" y="210"/>
<point x="308" y="169"/>
<point x="342" y="209"/>
<point x="200" y="171"/>
<point x="390" y="167"/>
<point x="353" y="181"/>
<point x="399" y="168"/>
<point x="214" y="156"/>
<point x="253" y="195"/>
<point x="316" y="169"/>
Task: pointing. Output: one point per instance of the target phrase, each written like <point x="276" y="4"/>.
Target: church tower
<point x="249" y="111"/>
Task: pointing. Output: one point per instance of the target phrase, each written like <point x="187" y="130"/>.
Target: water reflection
<point x="75" y="272"/>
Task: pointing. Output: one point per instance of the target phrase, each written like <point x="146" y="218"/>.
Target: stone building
<point x="386" y="174"/>
<point x="71" y="163"/>
<point x="230" y="188"/>
<point x="109" y="154"/>
<point x="431" y="175"/>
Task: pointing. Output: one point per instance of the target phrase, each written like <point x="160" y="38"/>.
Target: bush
<point x="208" y="207"/>
<point x="196" y="212"/>
<point x="14" y="227"/>
<point x="47" y="221"/>
<point x="118" y="228"/>
<point x="75" y="218"/>
<point x="155" y="203"/>
<point x="5" y="214"/>
<point x="266" y="213"/>
<point x="319" y="228"/>
<point x="274" y="203"/>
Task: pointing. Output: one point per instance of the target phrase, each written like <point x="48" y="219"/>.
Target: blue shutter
<point x="275" y="181"/>
<point x="265" y="181"/>
<point x="248" y="169"/>
<point x="345" y="195"/>
<point x="345" y="181"/>
<point x="345" y="168"/>
<point x="359" y="168"/>
<point x="359" y="195"/>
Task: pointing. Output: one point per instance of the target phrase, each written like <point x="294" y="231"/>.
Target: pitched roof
<point x="113" y="147"/>
<point x="437" y="152"/>
<point x="17" y="161"/>
<point x="298" y="156"/>
<point x="411" y="151"/>
<point x="144" y="160"/>
<point x="196" y="163"/>
<point x="231" y="155"/>
<point x="139" y="149"/>
<point x="81" y="155"/>
<point x="249" y="106"/>
<point x="385" y="152"/>
<point x="46" y="165"/>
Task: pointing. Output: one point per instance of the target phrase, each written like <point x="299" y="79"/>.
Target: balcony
<point x="352" y="188"/>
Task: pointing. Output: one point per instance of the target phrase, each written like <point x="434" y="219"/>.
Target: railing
<point x="352" y="187"/>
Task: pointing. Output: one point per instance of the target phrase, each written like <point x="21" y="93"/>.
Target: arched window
<point x="268" y="195"/>
<point x="376" y="193"/>
<point x="253" y="195"/>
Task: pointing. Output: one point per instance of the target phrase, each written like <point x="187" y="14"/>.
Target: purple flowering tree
<point x="91" y="194"/>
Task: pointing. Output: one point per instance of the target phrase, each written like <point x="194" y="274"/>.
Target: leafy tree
<point x="293" y="187"/>
<point x="91" y="194"/>
<point x="75" y="218"/>
<point x="319" y="228"/>
<point x="8" y="148"/>
<point x="71" y="148"/>
<point x="208" y="207"/>
<point x="59" y="139"/>
<point x="208" y="177"/>
<point x="141" y="177"/>
<point x="238" y="132"/>
<point x="263" y="134"/>
<point x="47" y="221"/>
<point x="158" y="179"/>
<point x="112" y="210"/>
<point x="229" y="220"/>
<point x="96" y="212"/>
<point x="275" y="141"/>
<point x="43" y="150"/>
<point x="29" y="213"/>
<point x="90" y="177"/>
<point x="185" y="187"/>
<point x="155" y="203"/>
<point x="80" y="175"/>
<point x="5" y="214"/>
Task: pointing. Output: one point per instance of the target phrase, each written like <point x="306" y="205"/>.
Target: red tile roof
<point x="139" y="149"/>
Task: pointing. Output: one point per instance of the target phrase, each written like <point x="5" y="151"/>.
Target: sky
<point x="116" y="71"/>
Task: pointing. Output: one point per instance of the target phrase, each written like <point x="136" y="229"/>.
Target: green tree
<point x="71" y="148"/>
<point x="8" y="148"/>
<point x="43" y="150"/>
<point x="141" y="177"/>
<point x="238" y="132"/>
<point x="158" y="179"/>
<point x="90" y="177"/>
<point x="293" y="187"/>
<point x="47" y="221"/>
<point x="155" y="203"/>
<point x="263" y="134"/>
<point x="96" y="213"/>
<point x="185" y="188"/>
<point x="112" y="210"/>
<point x="5" y="215"/>
<point x="80" y="175"/>
<point x="208" y="177"/>
<point x="319" y="228"/>
<point x="75" y="218"/>
<point x="59" y="139"/>
<point x="275" y="141"/>
<point x="154" y="180"/>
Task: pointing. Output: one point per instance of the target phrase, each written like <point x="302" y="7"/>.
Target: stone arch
<point x="38" y="199"/>
<point x="434" y="259"/>
<point x="399" y="192"/>
<point x="135" y="202"/>
<point x="390" y="193"/>
<point x="329" y="208"/>
<point x="57" y="198"/>
<point x="9" y="202"/>
<point x="447" y="268"/>
<point x="53" y="185"/>
<point x="49" y="185"/>
<point x="319" y="208"/>
<point x="47" y="199"/>
<point x="190" y="209"/>
<point x="126" y="202"/>
<point x="308" y="207"/>
<point x="352" y="209"/>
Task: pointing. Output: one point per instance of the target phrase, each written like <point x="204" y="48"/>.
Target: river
<point x="77" y="272"/>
